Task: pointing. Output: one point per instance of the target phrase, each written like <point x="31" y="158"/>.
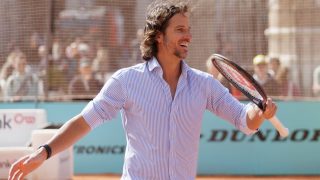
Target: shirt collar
<point x="154" y="64"/>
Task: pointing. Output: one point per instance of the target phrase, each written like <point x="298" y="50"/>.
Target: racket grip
<point x="283" y="131"/>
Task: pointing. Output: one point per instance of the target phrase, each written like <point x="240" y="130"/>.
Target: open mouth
<point x="184" y="45"/>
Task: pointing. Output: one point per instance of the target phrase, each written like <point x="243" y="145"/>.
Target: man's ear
<point x="159" y="37"/>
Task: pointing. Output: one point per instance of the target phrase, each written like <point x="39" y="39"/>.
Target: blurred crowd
<point x="77" y="70"/>
<point x="74" y="70"/>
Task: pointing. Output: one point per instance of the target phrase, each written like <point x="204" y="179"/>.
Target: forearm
<point x="69" y="134"/>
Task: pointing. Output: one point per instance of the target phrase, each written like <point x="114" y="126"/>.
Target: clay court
<point x="117" y="177"/>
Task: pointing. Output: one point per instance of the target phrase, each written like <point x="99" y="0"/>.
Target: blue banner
<point x="223" y="149"/>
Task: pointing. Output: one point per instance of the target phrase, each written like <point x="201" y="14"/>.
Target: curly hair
<point x="158" y="15"/>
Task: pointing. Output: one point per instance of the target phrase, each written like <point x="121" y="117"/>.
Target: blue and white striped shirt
<point x="162" y="132"/>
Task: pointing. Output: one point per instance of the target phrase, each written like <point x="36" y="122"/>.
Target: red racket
<point x="245" y="83"/>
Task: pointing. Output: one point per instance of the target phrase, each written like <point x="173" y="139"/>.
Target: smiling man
<point x="162" y="102"/>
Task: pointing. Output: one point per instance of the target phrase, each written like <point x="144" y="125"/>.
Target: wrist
<point x="47" y="149"/>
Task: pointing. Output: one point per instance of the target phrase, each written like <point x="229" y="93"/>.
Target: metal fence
<point x="62" y="42"/>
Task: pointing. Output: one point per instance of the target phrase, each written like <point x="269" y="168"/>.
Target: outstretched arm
<point x="66" y="136"/>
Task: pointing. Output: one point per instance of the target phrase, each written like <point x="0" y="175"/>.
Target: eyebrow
<point x="182" y="26"/>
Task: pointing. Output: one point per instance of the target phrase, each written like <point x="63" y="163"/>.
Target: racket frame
<point x="259" y="102"/>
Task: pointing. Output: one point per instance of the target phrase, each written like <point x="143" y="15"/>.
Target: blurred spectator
<point x="58" y="72"/>
<point x="83" y="51"/>
<point x="32" y="50"/>
<point x="211" y="69"/>
<point x="6" y="70"/>
<point x="316" y="81"/>
<point x="274" y="65"/>
<point x="135" y="47"/>
<point x="84" y="83"/>
<point x="282" y="75"/>
<point x="8" y="66"/>
<point x="263" y="76"/>
<point x="56" y="50"/>
<point x="100" y="65"/>
<point x="41" y="68"/>
<point x="72" y="55"/>
<point x="21" y="84"/>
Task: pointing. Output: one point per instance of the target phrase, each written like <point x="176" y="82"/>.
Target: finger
<point x="269" y="102"/>
<point x="16" y="175"/>
<point x="15" y="166"/>
<point x="21" y="176"/>
<point x="13" y="170"/>
<point x="270" y="110"/>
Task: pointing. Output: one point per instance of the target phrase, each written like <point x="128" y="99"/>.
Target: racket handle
<point x="283" y="131"/>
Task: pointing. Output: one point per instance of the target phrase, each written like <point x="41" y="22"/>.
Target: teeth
<point x="184" y="44"/>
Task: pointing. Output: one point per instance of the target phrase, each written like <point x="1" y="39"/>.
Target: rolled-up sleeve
<point x="106" y="105"/>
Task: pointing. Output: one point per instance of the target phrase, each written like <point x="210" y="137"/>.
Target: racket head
<point x="240" y="79"/>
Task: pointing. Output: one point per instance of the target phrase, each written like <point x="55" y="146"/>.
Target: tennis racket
<point x="245" y="83"/>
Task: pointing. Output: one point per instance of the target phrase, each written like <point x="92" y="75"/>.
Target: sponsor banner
<point x="223" y="149"/>
<point x="16" y="125"/>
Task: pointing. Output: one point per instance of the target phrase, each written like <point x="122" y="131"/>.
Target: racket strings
<point x="237" y="78"/>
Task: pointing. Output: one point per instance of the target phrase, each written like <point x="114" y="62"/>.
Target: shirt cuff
<point x="243" y="124"/>
<point x="91" y="116"/>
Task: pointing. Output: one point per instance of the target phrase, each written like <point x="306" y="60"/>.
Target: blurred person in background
<point x="162" y="102"/>
<point x="41" y="68"/>
<point x="57" y="50"/>
<point x="282" y="75"/>
<point x="22" y="84"/>
<point x="316" y="81"/>
<point x="211" y="69"/>
<point x="35" y="40"/>
<point x="84" y="84"/>
<point x="8" y="66"/>
<point x="274" y="65"/>
<point x="72" y="60"/>
<point x="101" y="64"/>
<point x="83" y="51"/>
<point x="264" y="77"/>
<point x="135" y="47"/>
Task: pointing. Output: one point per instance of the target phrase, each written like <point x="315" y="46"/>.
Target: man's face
<point x="177" y="37"/>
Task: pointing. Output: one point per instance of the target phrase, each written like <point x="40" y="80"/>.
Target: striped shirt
<point x="162" y="132"/>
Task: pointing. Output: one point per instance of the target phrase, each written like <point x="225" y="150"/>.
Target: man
<point x="211" y="69"/>
<point x="84" y="85"/>
<point x="162" y="102"/>
<point x="21" y="84"/>
<point x="264" y="77"/>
